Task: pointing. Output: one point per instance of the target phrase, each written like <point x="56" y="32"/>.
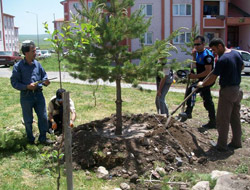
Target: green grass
<point x="27" y="168"/>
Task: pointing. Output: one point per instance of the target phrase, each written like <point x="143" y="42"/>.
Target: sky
<point x="27" y="22"/>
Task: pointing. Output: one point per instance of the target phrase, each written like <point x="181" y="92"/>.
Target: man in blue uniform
<point x="24" y="77"/>
<point x="204" y="65"/>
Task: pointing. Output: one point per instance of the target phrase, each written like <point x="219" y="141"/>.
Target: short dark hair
<point x="26" y="46"/>
<point x="216" y="42"/>
<point x="59" y="93"/>
<point x="201" y="38"/>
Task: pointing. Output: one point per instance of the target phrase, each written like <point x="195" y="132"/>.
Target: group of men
<point x="27" y="72"/>
<point x="228" y="67"/>
<point x="29" y="77"/>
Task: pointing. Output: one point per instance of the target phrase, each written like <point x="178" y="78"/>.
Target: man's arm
<point x="208" y="69"/>
<point x="161" y="85"/>
<point x="207" y="82"/>
<point x="15" y="78"/>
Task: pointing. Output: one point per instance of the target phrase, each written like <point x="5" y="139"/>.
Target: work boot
<point x="210" y="125"/>
<point x="47" y="142"/>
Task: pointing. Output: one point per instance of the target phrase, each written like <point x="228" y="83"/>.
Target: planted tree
<point x="106" y="54"/>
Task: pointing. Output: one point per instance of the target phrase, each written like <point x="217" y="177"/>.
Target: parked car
<point x="9" y="58"/>
<point x="45" y="53"/>
<point x="246" y="59"/>
<point x="38" y="54"/>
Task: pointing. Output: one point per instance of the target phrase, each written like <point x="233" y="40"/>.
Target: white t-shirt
<point x="167" y="72"/>
<point x="52" y="111"/>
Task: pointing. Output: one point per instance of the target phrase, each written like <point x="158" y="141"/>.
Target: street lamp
<point x="36" y="26"/>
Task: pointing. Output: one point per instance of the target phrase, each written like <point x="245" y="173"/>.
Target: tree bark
<point x="118" y="130"/>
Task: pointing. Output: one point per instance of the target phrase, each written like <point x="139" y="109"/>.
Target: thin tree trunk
<point x="118" y="130"/>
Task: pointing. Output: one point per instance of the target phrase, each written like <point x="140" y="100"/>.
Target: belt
<point x="36" y="90"/>
<point x="225" y="86"/>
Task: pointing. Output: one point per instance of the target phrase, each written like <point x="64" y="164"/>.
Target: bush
<point x="12" y="137"/>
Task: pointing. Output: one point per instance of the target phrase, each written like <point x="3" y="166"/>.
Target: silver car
<point x="246" y="59"/>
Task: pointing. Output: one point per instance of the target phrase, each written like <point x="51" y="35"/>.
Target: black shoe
<point x="189" y="115"/>
<point x="47" y="142"/>
<point x="210" y="125"/>
<point x="232" y="146"/>
<point x="31" y="142"/>
<point x="221" y="149"/>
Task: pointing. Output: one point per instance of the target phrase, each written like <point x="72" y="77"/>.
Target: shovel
<point x="194" y="91"/>
<point x="181" y="115"/>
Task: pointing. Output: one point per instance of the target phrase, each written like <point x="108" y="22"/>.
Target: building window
<point x="148" y="38"/>
<point x="182" y="10"/>
<point x="147" y="9"/>
<point x="183" y="38"/>
<point x="90" y="5"/>
<point x="211" y="8"/>
<point x="209" y="36"/>
<point x="76" y="5"/>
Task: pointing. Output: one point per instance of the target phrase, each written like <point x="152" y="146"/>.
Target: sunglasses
<point x="198" y="44"/>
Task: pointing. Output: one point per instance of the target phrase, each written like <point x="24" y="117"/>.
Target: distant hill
<point x="42" y="43"/>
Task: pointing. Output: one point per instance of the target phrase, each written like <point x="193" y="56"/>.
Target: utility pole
<point x="37" y="32"/>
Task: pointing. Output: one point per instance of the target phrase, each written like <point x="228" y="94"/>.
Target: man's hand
<point x="200" y="84"/>
<point x="192" y="76"/>
<point x="54" y="125"/>
<point x="32" y="86"/>
<point x="194" y="52"/>
<point x="71" y="124"/>
<point x="46" y="83"/>
<point x="158" y="93"/>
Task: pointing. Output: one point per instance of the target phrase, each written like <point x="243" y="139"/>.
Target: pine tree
<point x="99" y="50"/>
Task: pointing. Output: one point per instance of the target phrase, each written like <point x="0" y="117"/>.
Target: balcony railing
<point x="214" y="21"/>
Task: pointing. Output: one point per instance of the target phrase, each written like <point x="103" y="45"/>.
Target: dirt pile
<point x="145" y="144"/>
<point x="245" y="114"/>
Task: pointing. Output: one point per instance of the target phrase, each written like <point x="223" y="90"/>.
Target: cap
<point x="59" y="94"/>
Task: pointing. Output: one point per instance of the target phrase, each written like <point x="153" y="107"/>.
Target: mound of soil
<point x="144" y="144"/>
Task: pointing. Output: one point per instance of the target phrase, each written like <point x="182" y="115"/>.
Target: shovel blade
<point x="183" y="117"/>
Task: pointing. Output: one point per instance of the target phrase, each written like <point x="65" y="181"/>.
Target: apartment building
<point x="227" y="19"/>
<point x="2" y="27"/>
<point x="8" y="32"/>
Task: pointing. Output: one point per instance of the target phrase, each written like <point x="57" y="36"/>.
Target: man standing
<point x="228" y="67"/>
<point x="204" y="65"/>
<point x="55" y="112"/>
<point x="24" y="77"/>
<point x="163" y="86"/>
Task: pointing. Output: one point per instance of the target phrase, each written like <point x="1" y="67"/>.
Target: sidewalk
<point x="5" y="72"/>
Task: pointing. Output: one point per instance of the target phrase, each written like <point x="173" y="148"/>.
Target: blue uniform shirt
<point x="23" y="74"/>
<point x="202" y="59"/>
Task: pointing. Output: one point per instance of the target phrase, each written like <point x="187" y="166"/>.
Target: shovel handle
<point x="195" y="90"/>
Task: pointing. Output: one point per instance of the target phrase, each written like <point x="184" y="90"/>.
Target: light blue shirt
<point x="23" y="74"/>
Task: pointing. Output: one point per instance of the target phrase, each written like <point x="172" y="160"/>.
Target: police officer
<point x="204" y="65"/>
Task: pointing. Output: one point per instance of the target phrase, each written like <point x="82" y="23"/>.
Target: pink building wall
<point x="163" y="28"/>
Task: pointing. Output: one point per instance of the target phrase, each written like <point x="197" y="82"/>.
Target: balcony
<point x="237" y="21"/>
<point x="214" y="21"/>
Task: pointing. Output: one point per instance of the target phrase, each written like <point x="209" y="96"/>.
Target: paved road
<point x="6" y="72"/>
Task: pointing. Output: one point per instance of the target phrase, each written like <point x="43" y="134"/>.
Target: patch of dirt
<point x="146" y="143"/>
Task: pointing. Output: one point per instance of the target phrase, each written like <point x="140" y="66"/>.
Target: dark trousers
<point x="59" y="122"/>
<point x="208" y="103"/>
<point x="228" y="112"/>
